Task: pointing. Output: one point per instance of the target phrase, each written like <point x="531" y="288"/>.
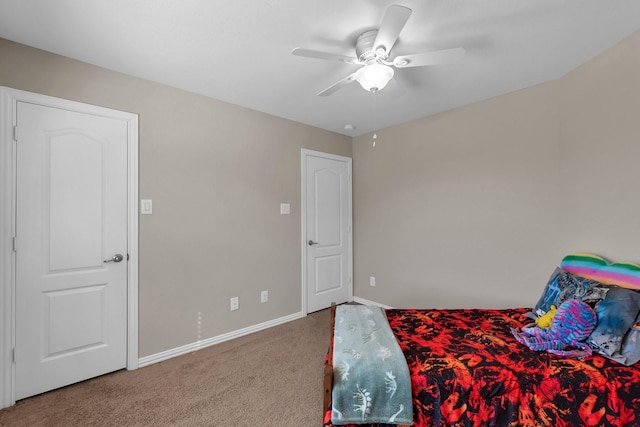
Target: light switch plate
<point x="285" y="208"/>
<point x="146" y="206"/>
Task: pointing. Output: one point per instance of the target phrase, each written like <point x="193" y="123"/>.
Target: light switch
<point x="285" y="208"/>
<point x="146" y="206"/>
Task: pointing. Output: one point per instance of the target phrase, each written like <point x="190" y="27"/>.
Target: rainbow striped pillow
<point x="594" y="267"/>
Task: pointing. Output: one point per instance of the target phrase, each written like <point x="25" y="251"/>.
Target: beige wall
<point x="600" y="128"/>
<point x="476" y="206"/>
<point x="217" y="174"/>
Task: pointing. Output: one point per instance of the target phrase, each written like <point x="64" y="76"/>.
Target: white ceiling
<point x="239" y="51"/>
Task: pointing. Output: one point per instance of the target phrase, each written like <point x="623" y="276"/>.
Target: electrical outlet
<point x="264" y="296"/>
<point x="372" y="281"/>
<point x="235" y="304"/>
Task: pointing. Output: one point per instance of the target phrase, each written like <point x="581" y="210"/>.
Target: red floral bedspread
<point x="468" y="370"/>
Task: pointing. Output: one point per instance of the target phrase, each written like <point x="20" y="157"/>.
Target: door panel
<point x="328" y="205"/>
<point x="329" y="271"/>
<point x="62" y="309"/>
<point x="75" y="234"/>
<point x="71" y="307"/>
<point x="328" y="210"/>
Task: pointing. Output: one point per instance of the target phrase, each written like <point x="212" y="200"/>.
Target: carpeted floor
<point x="269" y="378"/>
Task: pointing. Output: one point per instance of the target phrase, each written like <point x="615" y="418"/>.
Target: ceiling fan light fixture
<point x="374" y="77"/>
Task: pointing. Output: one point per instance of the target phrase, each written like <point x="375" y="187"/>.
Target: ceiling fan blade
<point x="393" y="22"/>
<point x="338" y="85"/>
<point x="323" y="55"/>
<point x="429" y="58"/>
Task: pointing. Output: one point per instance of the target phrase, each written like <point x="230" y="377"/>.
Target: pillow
<point x="617" y="333"/>
<point x="630" y="349"/>
<point x="594" y="267"/>
<point x="562" y="286"/>
<point x="617" y="313"/>
<point x="549" y="294"/>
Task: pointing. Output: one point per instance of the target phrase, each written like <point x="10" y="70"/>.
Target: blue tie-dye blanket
<point x="371" y="381"/>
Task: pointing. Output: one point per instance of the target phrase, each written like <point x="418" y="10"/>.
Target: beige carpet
<point x="270" y="378"/>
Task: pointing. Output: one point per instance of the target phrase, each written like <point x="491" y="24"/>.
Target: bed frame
<point x="328" y="365"/>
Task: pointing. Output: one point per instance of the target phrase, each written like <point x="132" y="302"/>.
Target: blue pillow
<point x="562" y="286"/>
<point x="617" y="313"/>
<point x="630" y="350"/>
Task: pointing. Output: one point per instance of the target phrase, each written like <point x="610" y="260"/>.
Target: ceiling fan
<point x="373" y="50"/>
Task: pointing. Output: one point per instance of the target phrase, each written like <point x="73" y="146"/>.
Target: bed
<point x="467" y="368"/>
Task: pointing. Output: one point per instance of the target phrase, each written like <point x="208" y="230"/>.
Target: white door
<point x="71" y="217"/>
<point x="327" y="210"/>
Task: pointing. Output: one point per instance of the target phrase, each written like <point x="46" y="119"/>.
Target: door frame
<point x="303" y="211"/>
<point x="9" y="99"/>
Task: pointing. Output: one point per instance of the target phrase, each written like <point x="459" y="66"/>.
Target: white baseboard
<point x="367" y="302"/>
<point x="199" y="345"/>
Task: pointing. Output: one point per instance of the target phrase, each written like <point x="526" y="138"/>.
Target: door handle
<point x="115" y="258"/>
<point x="311" y="243"/>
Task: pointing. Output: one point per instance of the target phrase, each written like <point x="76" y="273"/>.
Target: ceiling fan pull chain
<point x="375" y="118"/>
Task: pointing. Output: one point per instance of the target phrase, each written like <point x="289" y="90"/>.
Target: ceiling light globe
<point x="374" y="77"/>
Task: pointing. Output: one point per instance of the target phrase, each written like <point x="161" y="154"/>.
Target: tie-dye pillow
<point x="594" y="267"/>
